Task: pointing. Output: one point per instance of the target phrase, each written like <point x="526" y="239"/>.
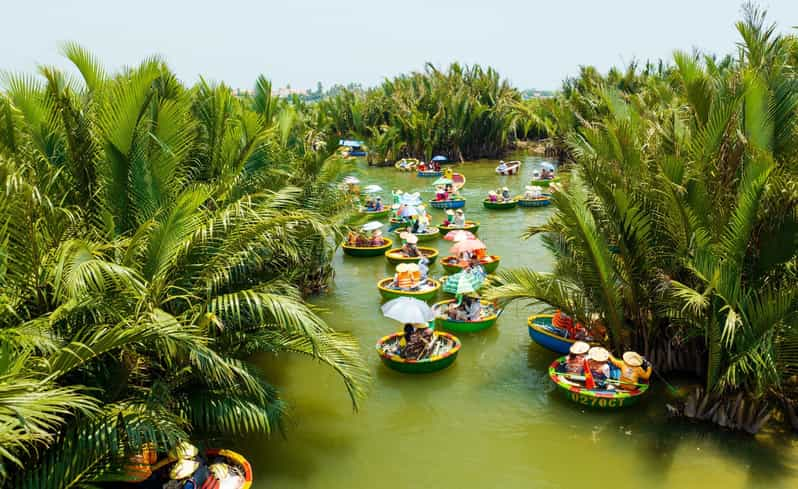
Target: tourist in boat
<point x="633" y="369"/>
<point x="575" y="361"/>
<point x="422" y="219"/>
<point x="473" y="308"/>
<point x="546" y="174"/>
<point x="397" y="196"/>
<point x="376" y="238"/>
<point x="532" y="192"/>
<point x="419" y="343"/>
<point x="492" y="196"/>
<point x="435" y="166"/>
<point x="441" y="193"/>
<point x="449" y="218"/>
<point x="459" y="218"/>
<point x="502" y="166"/>
<point x="370" y="204"/>
<point x="378" y="204"/>
<point x="182" y="468"/>
<point x="422" y="166"/>
<point x="410" y="248"/>
<point x="598" y="360"/>
<point x="506" y="194"/>
<point x="475" y="266"/>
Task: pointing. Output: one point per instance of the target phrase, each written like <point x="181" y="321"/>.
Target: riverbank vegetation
<point x="464" y="112"/>
<point x="153" y="237"/>
<point x="679" y="229"/>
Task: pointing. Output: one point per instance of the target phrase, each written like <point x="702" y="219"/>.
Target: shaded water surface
<point x="492" y="419"/>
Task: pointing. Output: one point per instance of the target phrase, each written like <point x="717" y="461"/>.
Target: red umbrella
<point x="459" y="235"/>
<point x="468" y="245"/>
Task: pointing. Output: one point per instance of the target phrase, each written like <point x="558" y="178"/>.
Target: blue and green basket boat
<point x="594" y="398"/>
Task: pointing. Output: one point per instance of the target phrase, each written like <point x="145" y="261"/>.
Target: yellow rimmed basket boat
<point x="472" y="226"/>
<point x="500" y="205"/>
<point x="376" y="214"/>
<point x="431" y="234"/>
<point x="424" y="366"/>
<point x="240" y="478"/>
<point x="490" y="266"/>
<point x="428" y="293"/>
<point x="594" y="398"/>
<point x="409" y="164"/>
<point x="443" y="322"/>
<point x="396" y="257"/>
<point x="365" y="251"/>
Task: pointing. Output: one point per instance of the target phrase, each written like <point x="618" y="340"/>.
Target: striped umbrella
<point x="463" y="283"/>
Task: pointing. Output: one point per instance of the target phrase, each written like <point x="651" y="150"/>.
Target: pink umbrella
<point x="459" y="235"/>
<point x="468" y="245"/>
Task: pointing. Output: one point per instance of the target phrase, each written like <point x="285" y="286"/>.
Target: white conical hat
<point x="579" y="348"/>
<point x="598" y="354"/>
<point x="183" y="469"/>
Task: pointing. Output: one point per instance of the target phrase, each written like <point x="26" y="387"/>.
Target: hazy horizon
<point x="533" y="44"/>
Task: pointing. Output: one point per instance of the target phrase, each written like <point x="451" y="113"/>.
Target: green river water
<point x="492" y="419"/>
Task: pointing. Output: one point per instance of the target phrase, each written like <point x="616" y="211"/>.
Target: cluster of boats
<point x="428" y="342"/>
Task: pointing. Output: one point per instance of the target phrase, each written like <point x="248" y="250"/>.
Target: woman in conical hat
<point x="598" y="358"/>
<point x="575" y="361"/>
<point x="634" y="368"/>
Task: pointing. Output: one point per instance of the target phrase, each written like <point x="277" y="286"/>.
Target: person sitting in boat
<point x="448" y="173"/>
<point x="435" y="166"/>
<point x="422" y="166"/>
<point x="532" y="192"/>
<point x="423" y="268"/>
<point x="351" y="238"/>
<point x="397" y="196"/>
<point x="449" y="218"/>
<point x="419" y="343"/>
<point x="502" y="166"/>
<point x="575" y="361"/>
<point x="449" y="189"/>
<point x="598" y="358"/>
<point x="410" y="248"/>
<point x="378" y="204"/>
<point x="182" y="468"/>
<point x="473" y="308"/>
<point x="441" y="194"/>
<point x="506" y="194"/>
<point x="633" y="368"/>
<point x="459" y="218"/>
<point x="546" y="174"/>
<point x="370" y="204"/>
<point x="492" y="196"/>
<point x="475" y="266"/>
<point x="376" y="238"/>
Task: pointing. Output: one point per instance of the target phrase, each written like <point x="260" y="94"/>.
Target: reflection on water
<point x="492" y="419"/>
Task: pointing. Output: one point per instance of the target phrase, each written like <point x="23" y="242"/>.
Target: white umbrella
<point x="409" y="210"/>
<point x="371" y="226"/>
<point x="547" y="165"/>
<point x="372" y="189"/>
<point x="411" y="199"/>
<point x="408" y="310"/>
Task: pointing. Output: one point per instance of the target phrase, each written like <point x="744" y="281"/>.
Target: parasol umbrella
<point x="408" y="310"/>
<point x="467" y="245"/>
<point x="439" y="158"/>
<point x="372" y="189"/>
<point x="459" y="235"/>
<point x="408" y="211"/>
<point x="547" y="166"/>
<point x="352" y="180"/>
<point x="463" y="283"/>
<point x="371" y="226"/>
<point x="443" y="181"/>
<point x="411" y="199"/>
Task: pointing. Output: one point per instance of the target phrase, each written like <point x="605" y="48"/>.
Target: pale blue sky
<point x="535" y="44"/>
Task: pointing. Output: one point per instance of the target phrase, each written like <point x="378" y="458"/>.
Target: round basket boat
<point x="544" y="183"/>
<point x="426" y="294"/>
<point x="595" y="398"/>
<point x="545" y="334"/>
<point x="509" y="204"/>
<point x="410" y="164"/>
<point x="362" y="251"/>
<point x="538" y="202"/>
<point x="431" y="234"/>
<point x="427" y="365"/>
<point x="459" y="180"/>
<point x="471" y="226"/>
<point x="443" y="322"/>
<point x="489" y="266"/>
<point x="512" y="168"/>
<point x="448" y="204"/>
<point x="376" y="214"/>
<point x="396" y="257"/>
<point x="429" y="173"/>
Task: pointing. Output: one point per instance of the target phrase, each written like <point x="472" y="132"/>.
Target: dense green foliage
<point x="464" y="113"/>
<point x="153" y="237"/>
<point x="679" y="229"/>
